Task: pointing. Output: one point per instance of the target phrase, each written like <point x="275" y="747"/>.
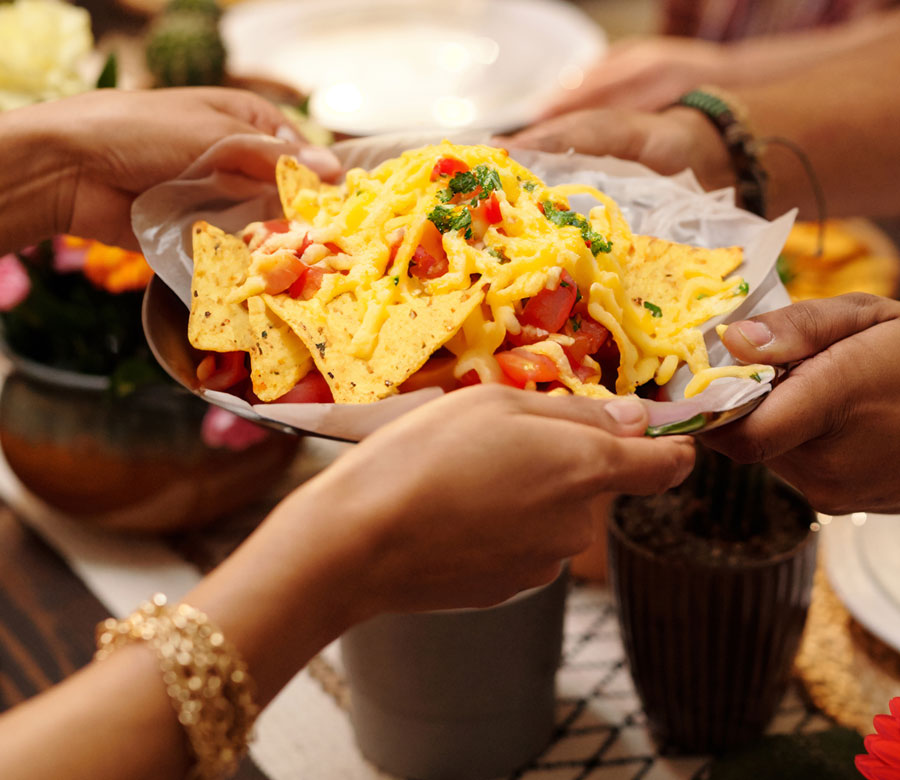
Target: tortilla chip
<point x="278" y="359"/>
<point x="409" y="335"/>
<point x="657" y="269"/>
<point x="292" y="177"/>
<point x="220" y="265"/>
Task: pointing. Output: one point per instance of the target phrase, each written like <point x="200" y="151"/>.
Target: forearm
<point x="287" y="592"/>
<point x="37" y="179"/>
<point x="762" y="59"/>
<point x="844" y="115"/>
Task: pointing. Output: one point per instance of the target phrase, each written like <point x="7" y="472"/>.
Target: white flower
<point x="43" y="44"/>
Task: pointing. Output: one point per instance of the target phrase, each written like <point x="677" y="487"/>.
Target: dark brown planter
<point x="710" y="636"/>
<point x="130" y="464"/>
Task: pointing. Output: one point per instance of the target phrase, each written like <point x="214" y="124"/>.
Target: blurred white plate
<point x="389" y="65"/>
<point x="862" y="560"/>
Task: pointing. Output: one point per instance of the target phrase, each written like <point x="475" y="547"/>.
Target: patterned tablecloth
<point x="305" y="733"/>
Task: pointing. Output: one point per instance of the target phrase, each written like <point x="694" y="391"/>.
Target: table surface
<point x="48" y="614"/>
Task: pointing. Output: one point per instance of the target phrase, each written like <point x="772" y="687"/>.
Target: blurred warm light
<point x="486" y="50"/>
<point x="858" y="518"/>
<point x="453" y="111"/>
<point x="570" y="77"/>
<point x="453" y="56"/>
<point x="344" y="98"/>
<point x="814" y="526"/>
<point x="825" y="519"/>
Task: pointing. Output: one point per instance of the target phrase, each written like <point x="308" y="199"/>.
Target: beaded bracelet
<point x="730" y="120"/>
<point x="205" y="678"/>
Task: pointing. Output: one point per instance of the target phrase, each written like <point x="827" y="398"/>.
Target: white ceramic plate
<point x="376" y="66"/>
<point x="863" y="564"/>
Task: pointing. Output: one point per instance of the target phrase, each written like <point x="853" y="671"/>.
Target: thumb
<point x="805" y="329"/>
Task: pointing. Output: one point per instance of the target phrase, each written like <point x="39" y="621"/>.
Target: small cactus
<point x="184" y="48"/>
<point x="210" y="8"/>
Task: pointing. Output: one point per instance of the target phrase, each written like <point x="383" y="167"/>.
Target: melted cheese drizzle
<point x="364" y="217"/>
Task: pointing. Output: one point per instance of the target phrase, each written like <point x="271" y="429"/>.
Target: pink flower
<point x="14" y="282"/>
<point x="221" y="428"/>
<point x="883" y="759"/>
<point x="69" y="253"/>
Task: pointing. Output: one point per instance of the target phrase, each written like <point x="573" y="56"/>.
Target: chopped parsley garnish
<point x="529" y="186"/>
<point x="446" y="218"/>
<point x="465" y="182"/>
<point x="702" y="296"/>
<point x="756" y="377"/>
<point x="494" y="252"/>
<point x="265" y="334"/>
<point x="743" y="288"/>
<point x="577" y="295"/>
<point x="653" y="309"/>
<point x="396" y="280"/>
<point x="575" y="323"/>
<point x="562" y="218"/>
<point x="488" y="178"/>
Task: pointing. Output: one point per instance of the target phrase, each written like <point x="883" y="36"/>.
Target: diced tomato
<point x="550" y="309"/>
<point x="589" y="336"/>
<point x="447" y="166"/>
<point x="528" y="335"/>
<point x="308" y="284"/>
<point x="221" y="370"/>
<point x="432" y="241"/>
<point x="522" y="366"/>
<point x="277" y="225"/>
<point x="283" y="275"/>
<point x="424" y="266"/>
<point x="541" y="207"/>
<point x="304" y="245"/>
<point x="311" y="389"/>
<point x="437" y="372"/>
<point x="492" y="209"/>
<point x="333" y="248"/>
<point x="470" y="378"/>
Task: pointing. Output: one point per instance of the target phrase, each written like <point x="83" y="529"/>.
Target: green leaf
<point x="653" y="309"/>
<point x="109" y="76"/>
<point x="743" y="288"/>
<point x="785" y="272"/>
<point x="529" y="186"/>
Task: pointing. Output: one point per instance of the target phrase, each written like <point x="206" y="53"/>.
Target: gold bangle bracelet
<point x="205" y="678"/>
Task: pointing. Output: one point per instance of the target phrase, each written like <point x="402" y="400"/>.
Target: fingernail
<point x="323" y="161"/>
<point x="625" y="412"/>
<point x="756" y="334"/>
<point x="290" y="134"/>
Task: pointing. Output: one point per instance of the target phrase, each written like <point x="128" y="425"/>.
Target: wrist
<point x="37" y="193"/>
<point x="697" y="143"/>
<point x="728" y="117"/>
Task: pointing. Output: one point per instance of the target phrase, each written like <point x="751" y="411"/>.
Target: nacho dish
<point x="448" y="266"/>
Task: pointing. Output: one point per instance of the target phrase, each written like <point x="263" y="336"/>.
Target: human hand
<point x="668" y="142"/>
<point x="117" y="144"/>
<point x="831" y="426"/>
<point x="480" y="494"/>
<point x="646" y="74"/>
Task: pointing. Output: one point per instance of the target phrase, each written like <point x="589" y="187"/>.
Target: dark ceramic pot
<point x="135" y="463"/>
<point x="459" y="694"/>
<point x="711" y="639"/>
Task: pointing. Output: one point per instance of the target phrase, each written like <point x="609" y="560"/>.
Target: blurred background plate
<point x="859" y="584"/>
<point x="373" y="67"/>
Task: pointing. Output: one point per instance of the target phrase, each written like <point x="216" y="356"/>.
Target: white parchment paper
<point x="670" y="207"/>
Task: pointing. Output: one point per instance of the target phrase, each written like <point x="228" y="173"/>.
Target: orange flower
<point x="883" y="759"/>
<point x="115" y="270"/>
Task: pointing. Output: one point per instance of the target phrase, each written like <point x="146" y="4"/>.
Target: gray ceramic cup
<point x="458" y="694"/>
